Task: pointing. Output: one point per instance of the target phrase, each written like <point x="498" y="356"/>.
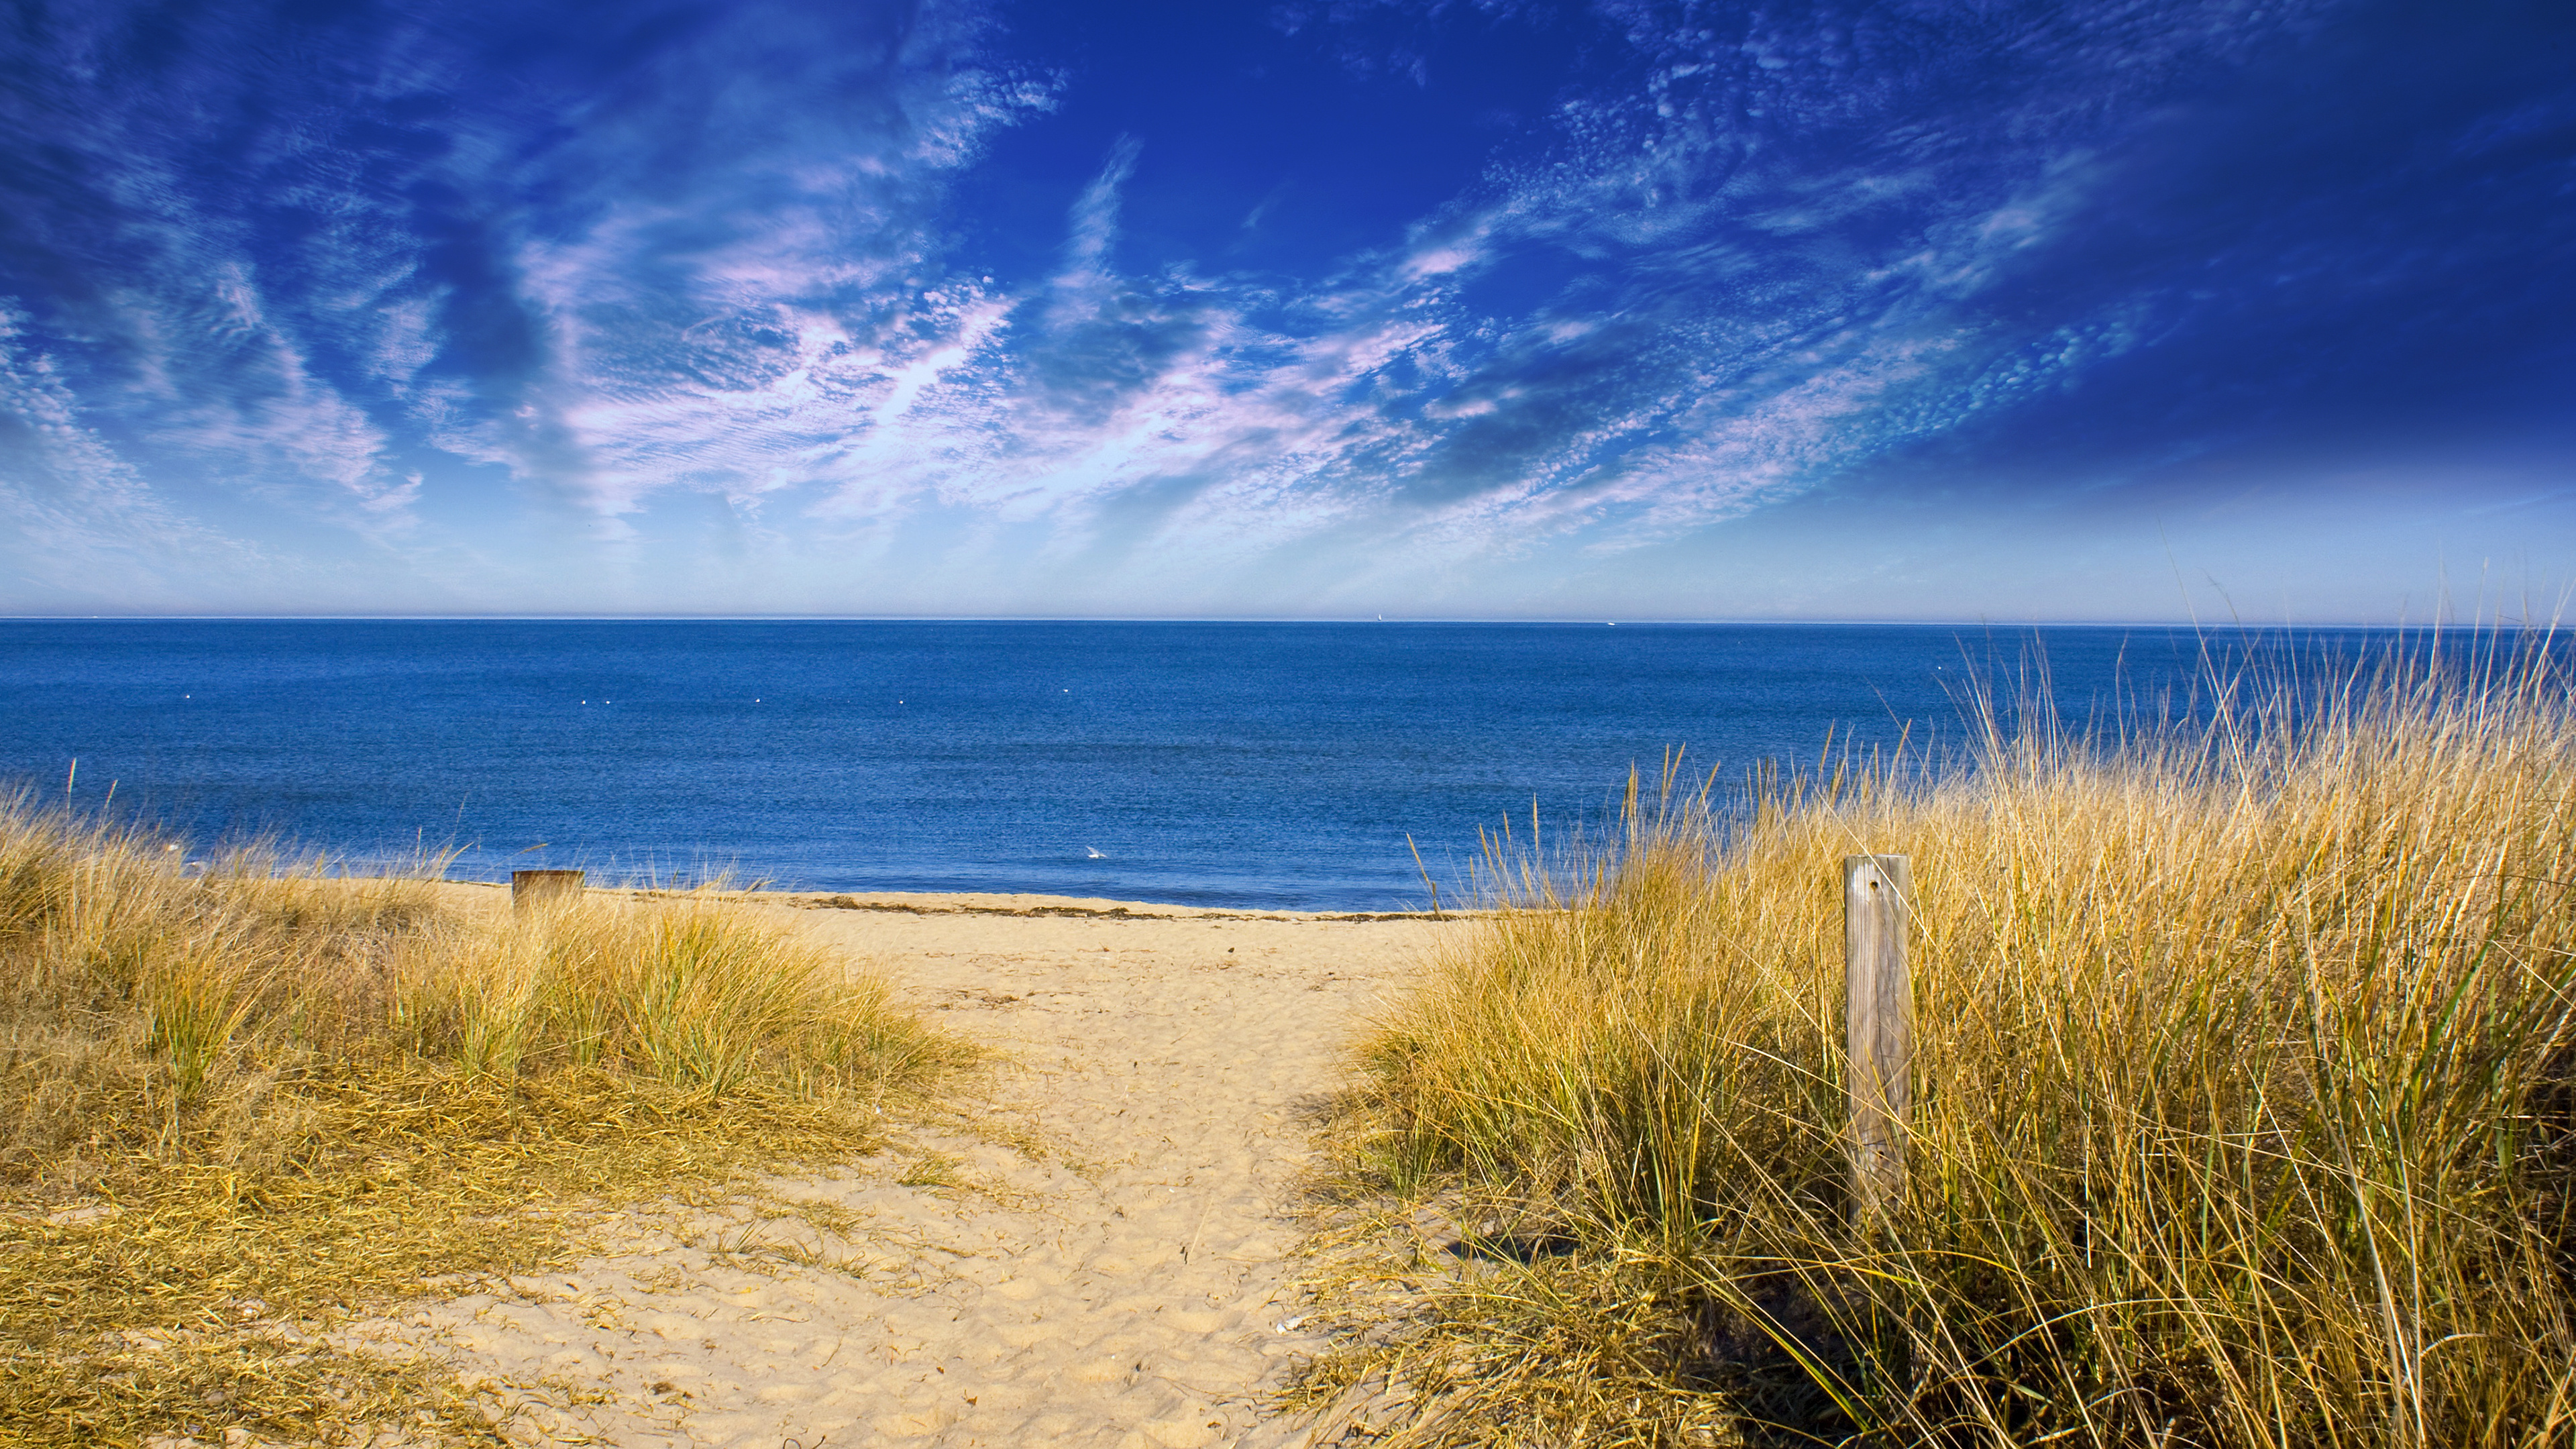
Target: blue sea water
<point x="1246" y="764"/>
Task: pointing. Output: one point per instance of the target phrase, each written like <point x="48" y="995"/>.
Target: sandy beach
<point x="1096" y="1251"/>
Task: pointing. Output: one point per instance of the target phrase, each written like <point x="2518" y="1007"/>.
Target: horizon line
<point x="2480" y="622"/>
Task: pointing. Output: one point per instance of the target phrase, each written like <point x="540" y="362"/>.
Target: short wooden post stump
<point x="536" y="887"/>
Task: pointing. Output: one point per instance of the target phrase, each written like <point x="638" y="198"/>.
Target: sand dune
<point x="1097" y="1254"/>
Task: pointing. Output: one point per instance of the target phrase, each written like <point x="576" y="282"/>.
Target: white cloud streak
<point x="1779" y="244"/>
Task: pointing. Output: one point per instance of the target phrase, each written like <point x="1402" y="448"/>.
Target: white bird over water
<point x="1094" y="854"/>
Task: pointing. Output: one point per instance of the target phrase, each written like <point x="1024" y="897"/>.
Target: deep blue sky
<point x="1945" y="310"/>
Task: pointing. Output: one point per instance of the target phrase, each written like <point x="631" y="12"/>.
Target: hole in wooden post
<point x="1878" y="1027"/>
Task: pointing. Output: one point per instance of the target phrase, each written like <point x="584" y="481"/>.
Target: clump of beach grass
<point x="241" y="1104"/>
<point x="2245" y="1088"/>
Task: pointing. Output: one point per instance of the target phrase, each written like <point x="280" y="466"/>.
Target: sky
<point x="2097" y="310"/>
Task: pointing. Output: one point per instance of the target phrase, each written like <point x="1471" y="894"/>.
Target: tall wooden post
<point x="536" y="887"/>
<point x="1878" y="1025"/>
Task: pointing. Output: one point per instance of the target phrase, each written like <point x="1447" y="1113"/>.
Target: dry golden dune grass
<point x="243" y="1105"/>
<point x="2243" y="1104"/>
<point x="2245" y="1115"/>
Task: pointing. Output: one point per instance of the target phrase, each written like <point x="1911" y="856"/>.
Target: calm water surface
<point x="1278" y="765"/>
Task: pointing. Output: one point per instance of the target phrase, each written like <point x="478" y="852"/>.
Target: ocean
<point x="1268" y="765"/>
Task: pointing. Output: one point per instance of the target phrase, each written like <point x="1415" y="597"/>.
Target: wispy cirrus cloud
<point x="79" y="522"/>
<point x="396" y="275"/>
<point x="1669" y="317"/>
<point x="611" y="251"/>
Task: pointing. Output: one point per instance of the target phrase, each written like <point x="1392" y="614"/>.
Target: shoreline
<point x="1029" y="905"/>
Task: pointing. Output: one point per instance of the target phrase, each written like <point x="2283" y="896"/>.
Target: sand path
<point x="1100" y="1260"/>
